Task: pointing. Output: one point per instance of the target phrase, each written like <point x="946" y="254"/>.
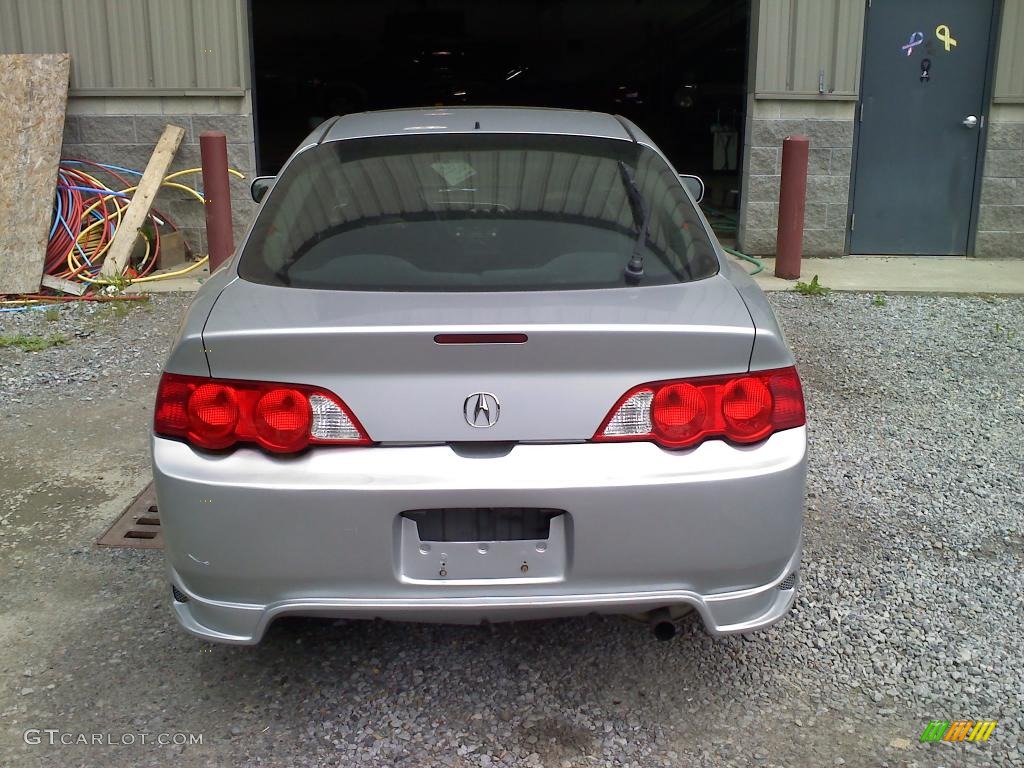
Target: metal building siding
<point x="91" y="64"/>
<point x="174" y="52"/>
<point x="774" y="25"/>
<point x="798" y="39"/>
<point x="848" y="47"/>
<point x="131" y="61"/>
<point x="136" y="46"/>
<point x="10" y="29"/>
<point x="813" y="42"/>
<point x="42" y="25"/>
<point x="1009" y="86"/>
<point x="215" y="37"/>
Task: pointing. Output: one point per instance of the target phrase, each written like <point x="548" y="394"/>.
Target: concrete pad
<point x="904" y="274"/>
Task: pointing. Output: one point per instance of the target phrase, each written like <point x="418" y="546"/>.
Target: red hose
<point x="74" y="203"/>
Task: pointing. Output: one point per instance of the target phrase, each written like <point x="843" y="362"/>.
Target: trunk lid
<point x="377" y="352"/>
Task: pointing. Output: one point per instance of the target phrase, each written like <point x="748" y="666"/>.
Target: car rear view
<point x="479" y="365"/>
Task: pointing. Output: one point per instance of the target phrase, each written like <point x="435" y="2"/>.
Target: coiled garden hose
<point x="724" y="222"/>
<point x="758" y="264"/>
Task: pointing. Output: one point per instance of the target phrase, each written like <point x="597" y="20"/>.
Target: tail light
<point x="284" y="418"/>
<point x="742" y="408"/>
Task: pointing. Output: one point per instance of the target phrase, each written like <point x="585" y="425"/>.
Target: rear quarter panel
<point x="188" y="353"/>
<point x="770" y="349"/>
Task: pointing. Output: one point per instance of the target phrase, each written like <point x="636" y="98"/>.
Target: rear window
<point x="475" y="212"/>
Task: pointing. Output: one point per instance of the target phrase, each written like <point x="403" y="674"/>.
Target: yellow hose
<point x="74" y="264"/>
<point x="166" y="275"/>
<point x="176" y="174"/>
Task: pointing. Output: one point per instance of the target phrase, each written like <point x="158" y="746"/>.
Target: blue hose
<point x="132" y="171"/>
<point x="22" y="309"/>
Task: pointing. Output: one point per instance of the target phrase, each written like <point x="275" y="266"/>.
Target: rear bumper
<point x="728" y="613"/>
<point x="251" y="537"/>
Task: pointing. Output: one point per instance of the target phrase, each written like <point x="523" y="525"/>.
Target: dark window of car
<point x="474" y="212"/>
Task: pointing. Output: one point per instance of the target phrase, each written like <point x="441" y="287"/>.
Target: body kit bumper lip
<point x="725" y="613"/>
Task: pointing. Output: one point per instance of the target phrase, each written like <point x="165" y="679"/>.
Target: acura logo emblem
<point x="481" y="410"/>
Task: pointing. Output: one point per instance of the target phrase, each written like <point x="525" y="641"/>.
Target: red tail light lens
<point x="212" y="415"/>
<point x="284" y="418"/>
<point x="742" y="408"/>
<point x="171" y="413"/>
<point x="678" y="411"/>
<point x="747" y="408"/>
<point x="788" y="399"/>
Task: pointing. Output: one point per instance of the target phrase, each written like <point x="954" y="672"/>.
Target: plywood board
<point x="142" y="200"/>
<point x="33" y="97"/>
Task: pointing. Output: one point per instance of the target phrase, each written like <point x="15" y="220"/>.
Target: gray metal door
<point x="921" y="118"/>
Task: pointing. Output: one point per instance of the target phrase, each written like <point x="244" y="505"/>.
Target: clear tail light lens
<point x="741" y="408"/>
<point x="283" y="418"/>
<point x="331" y="421"/>
<point x="631" y="417"/>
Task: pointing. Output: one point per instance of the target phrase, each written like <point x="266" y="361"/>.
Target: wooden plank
<point x="142" y="200"/>
<point x="62" y="285"/>
<point x="33" y="97"/>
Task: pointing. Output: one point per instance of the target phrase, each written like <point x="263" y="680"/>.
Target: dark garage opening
<point x="677" y="68"/>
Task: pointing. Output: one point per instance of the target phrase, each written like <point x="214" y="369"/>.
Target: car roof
<point x="402" y="122"/>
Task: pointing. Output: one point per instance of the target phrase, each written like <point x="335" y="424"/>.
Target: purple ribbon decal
<point x="915" y="39"/>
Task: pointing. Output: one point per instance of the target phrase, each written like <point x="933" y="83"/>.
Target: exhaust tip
<point x="665" y="630"/>
<point x="662" y="624"/>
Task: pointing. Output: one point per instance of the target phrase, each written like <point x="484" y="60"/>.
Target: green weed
<point x="813" y="288"/>
<point x="33" y="343"/>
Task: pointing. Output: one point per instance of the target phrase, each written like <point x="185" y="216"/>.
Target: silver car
<point x="479" y="365"/>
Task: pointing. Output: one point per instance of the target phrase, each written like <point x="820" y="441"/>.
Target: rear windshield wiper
<point x="641" y="216"/>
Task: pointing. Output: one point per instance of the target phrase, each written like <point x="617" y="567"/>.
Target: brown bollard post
<point x="789" y="243"/>
<point x="220" y="238"/>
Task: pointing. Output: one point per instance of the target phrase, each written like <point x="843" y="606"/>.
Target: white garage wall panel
<point x="136" y="47"/>
<point x="804" y="44"/>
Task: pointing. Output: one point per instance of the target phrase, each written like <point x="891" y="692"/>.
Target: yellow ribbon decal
<point x="942" y="32"/>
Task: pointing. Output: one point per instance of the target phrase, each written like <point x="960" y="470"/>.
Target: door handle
<point x="970" y="121"/>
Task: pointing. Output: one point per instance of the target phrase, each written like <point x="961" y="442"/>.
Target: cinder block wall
<point x="1001" y="215"/>
<point x="123" y="131"/>
<point x="829" y="125"/>
<point x="830" y="128"/>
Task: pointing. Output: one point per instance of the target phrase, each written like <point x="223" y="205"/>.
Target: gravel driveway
<point x="912" y="606"/>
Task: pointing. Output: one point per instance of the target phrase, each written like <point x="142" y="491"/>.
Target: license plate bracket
<point x="526" y="561"/>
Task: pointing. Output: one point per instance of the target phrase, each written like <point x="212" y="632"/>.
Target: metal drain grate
<point x="138" y="526"/>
